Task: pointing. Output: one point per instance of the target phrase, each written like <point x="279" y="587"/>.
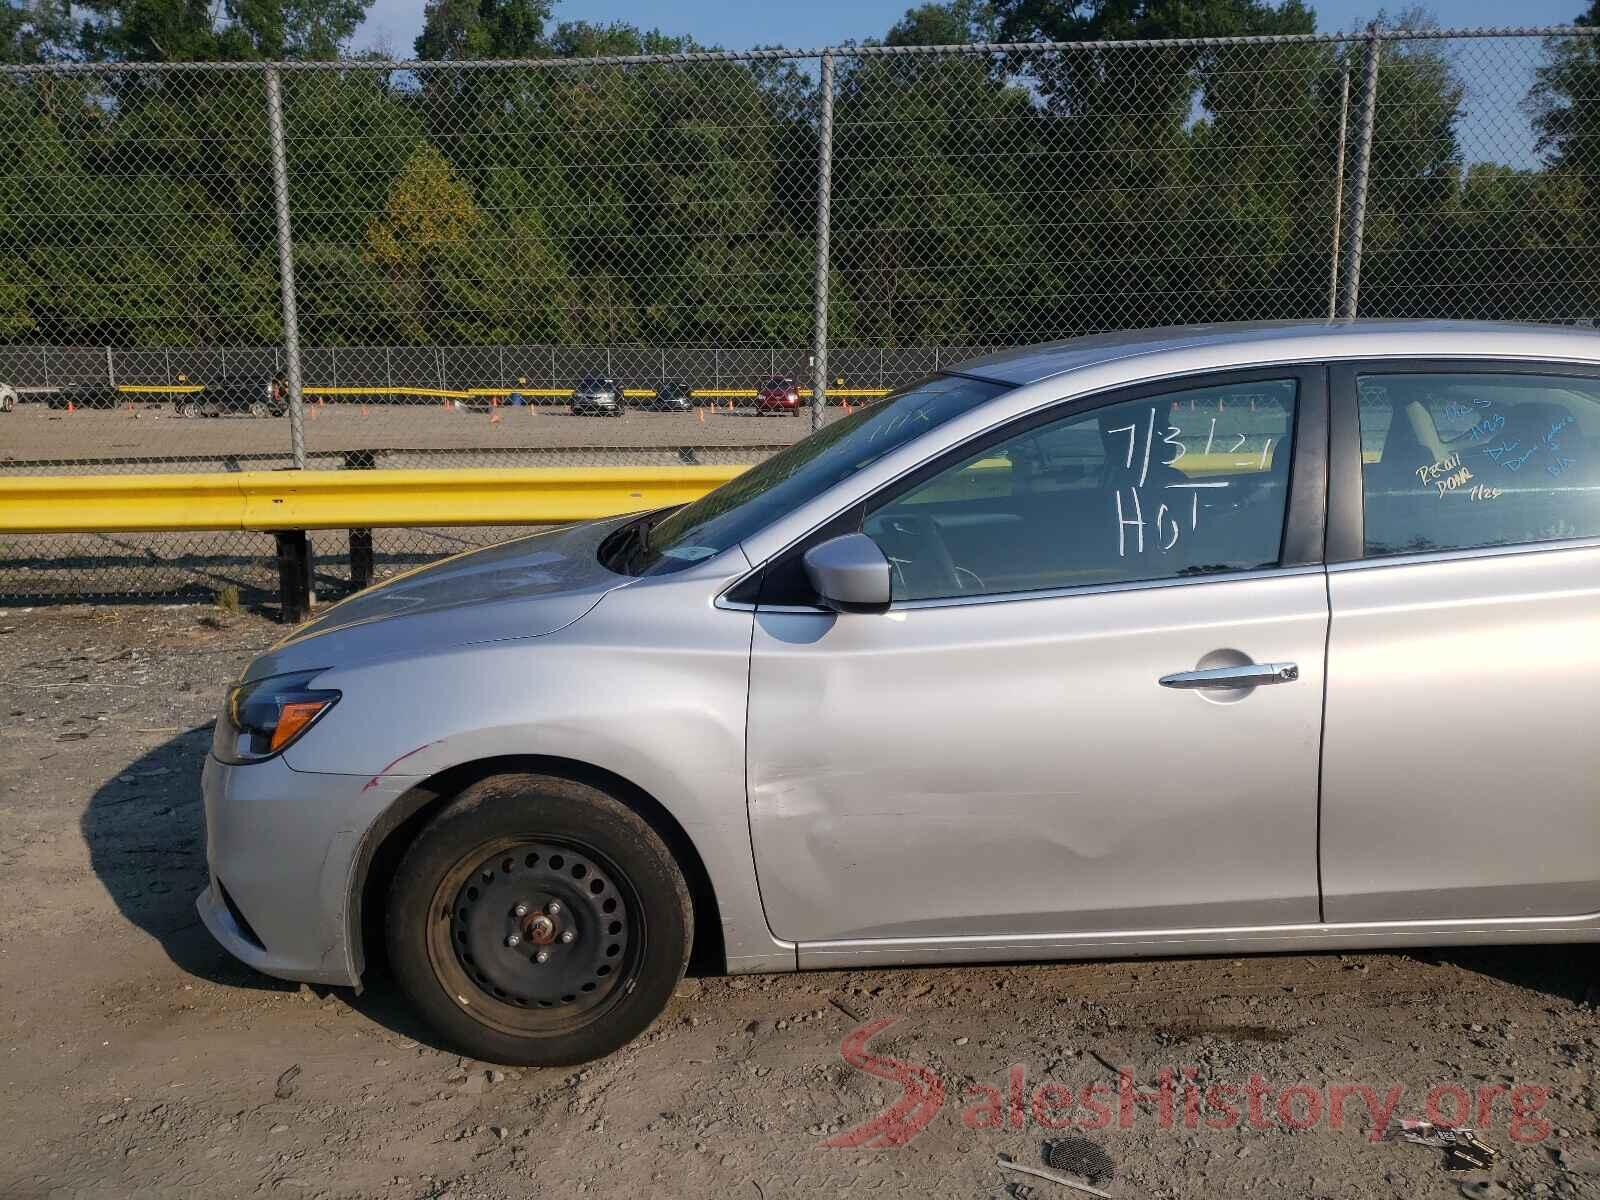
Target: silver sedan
<point x="1188" y="641"/>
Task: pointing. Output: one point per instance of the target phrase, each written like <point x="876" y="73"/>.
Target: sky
<point x="1492" y="130"/>
<point x="393" y="24"/>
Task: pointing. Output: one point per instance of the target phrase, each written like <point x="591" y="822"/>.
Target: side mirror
<point x="850" y="573"/>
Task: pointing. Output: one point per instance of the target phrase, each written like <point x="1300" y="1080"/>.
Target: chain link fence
<point x="367" y="264"/>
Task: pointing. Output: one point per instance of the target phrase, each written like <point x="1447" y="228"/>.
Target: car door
<point x="996" y="754"/>
<point x="1464" y="654"/>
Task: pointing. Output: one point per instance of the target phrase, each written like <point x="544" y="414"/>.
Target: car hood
<point x="522" y="588"/>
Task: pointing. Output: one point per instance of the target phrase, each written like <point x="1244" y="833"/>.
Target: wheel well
<point x="399" y="826"/>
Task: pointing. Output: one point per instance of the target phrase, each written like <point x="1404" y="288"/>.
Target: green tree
<point x="464" y="29"/>
<point x="208" y="31"/>
<point x="36" y="31"/>
<point x="1565" y="99"/>
<point x="427" y="226"/>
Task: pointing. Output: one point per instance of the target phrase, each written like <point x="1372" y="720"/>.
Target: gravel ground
<point x="139" y="1060"/>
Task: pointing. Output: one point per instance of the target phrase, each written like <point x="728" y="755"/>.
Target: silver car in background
<point x="1202" y="640"/>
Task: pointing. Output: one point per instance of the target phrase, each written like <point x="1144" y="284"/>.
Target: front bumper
<point x="283" y="844"/>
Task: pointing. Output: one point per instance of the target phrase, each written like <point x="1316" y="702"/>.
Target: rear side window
<point x="1460" y="461"/>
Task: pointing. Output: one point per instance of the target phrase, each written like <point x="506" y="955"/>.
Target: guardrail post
<point x="291" y="316"/>
<point x="294" y="576"/>
<point x="361" y="555"/>
<point x="1360" y="175"/>
<point x="819" y="323"/>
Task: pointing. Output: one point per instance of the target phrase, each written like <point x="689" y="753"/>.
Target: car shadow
<point x="144" y="830"/>
<point x="1563" y="972"/>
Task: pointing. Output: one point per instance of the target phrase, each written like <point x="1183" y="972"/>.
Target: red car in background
<point x="778" y="396"/>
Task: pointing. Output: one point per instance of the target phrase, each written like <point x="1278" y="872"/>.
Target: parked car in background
<point x="597" y="396"/>
<point x="778" y="395"/>
<point x="240" y="395"/>
<point x="670" y="396"/>
<point x="83" y="395"/>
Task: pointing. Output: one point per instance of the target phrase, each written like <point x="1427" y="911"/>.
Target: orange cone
<point x="730" y="403"/>
<point x="363" y="410"/>
<point x="71" y="407"/>
<point x="701" y="413"/>
<point x="847" y="407"/>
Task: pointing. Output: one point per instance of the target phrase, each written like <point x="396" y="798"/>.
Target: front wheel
<point x="538" y="921"/>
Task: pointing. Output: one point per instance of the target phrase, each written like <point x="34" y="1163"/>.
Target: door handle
<point x="1249" y="675"/>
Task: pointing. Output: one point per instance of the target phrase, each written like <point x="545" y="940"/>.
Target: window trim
<point x="1305" y="512"/>
<point x="1346" y="531"/>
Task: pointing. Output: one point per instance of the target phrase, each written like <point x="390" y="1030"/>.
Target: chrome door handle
<point x="1249" y="675"/>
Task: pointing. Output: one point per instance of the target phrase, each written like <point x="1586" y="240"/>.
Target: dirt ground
<point x="138" y="1060"/>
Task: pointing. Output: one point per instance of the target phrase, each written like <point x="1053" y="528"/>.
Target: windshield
<point x="788" y="479"/>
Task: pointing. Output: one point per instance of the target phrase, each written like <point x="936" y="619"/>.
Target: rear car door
<point x="995" y="756"/>
<point x="1460" y="752"/>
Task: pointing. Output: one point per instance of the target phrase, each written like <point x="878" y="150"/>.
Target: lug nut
<point x="553" y="907"/>
<point x="521" y="910"/>
<point x="568" y="936"/>
<point x="514" y="940"/>
<point x="542" y="956"/>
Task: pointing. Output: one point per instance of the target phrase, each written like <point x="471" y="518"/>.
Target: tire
<point x="8" y="399"/>
<point x="258" y="408"/>
<point x="511" y="841"/>
<point x="188" y="408"/>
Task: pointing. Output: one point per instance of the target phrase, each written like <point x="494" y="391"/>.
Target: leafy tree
<point x="427" y="225"/>
<point x="464" y="29"/>
<point x="36" y="31"/>
<point x="1565" y="99"/>
<point x="208" y="31"/>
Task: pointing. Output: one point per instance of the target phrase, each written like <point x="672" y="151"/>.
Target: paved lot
<point x="34" y="432"/>
<point x="138" y="1060"/>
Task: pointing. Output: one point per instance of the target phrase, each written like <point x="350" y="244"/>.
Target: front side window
<point x="1463" y="461"/>
<point x="1187" y="483"/>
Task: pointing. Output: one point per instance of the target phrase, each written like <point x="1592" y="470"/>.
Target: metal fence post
<point x="1360" y="176"/>
<point x="291" y="318"/>
<point x="1338" y="198"/>
<point x="819" y="324"/>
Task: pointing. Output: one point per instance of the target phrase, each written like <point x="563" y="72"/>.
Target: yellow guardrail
<point x="287" y="500"/>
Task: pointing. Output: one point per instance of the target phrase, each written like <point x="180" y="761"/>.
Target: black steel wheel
<point x="538" y="921"/>
<point x="539" y="925"/>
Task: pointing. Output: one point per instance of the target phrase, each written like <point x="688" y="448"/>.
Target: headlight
<point x="264" y="716"/>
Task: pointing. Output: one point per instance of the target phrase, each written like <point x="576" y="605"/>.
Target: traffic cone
<point x="363" y="410"/>
<point x="846" y="406"/>
<point x="494" y="410"/>
<point x="71" y="407"/>
<point x="730" y="403"/>
<point x="701" y="413"/>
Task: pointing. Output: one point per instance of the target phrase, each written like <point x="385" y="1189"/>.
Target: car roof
<point x="1283" y="341"/>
